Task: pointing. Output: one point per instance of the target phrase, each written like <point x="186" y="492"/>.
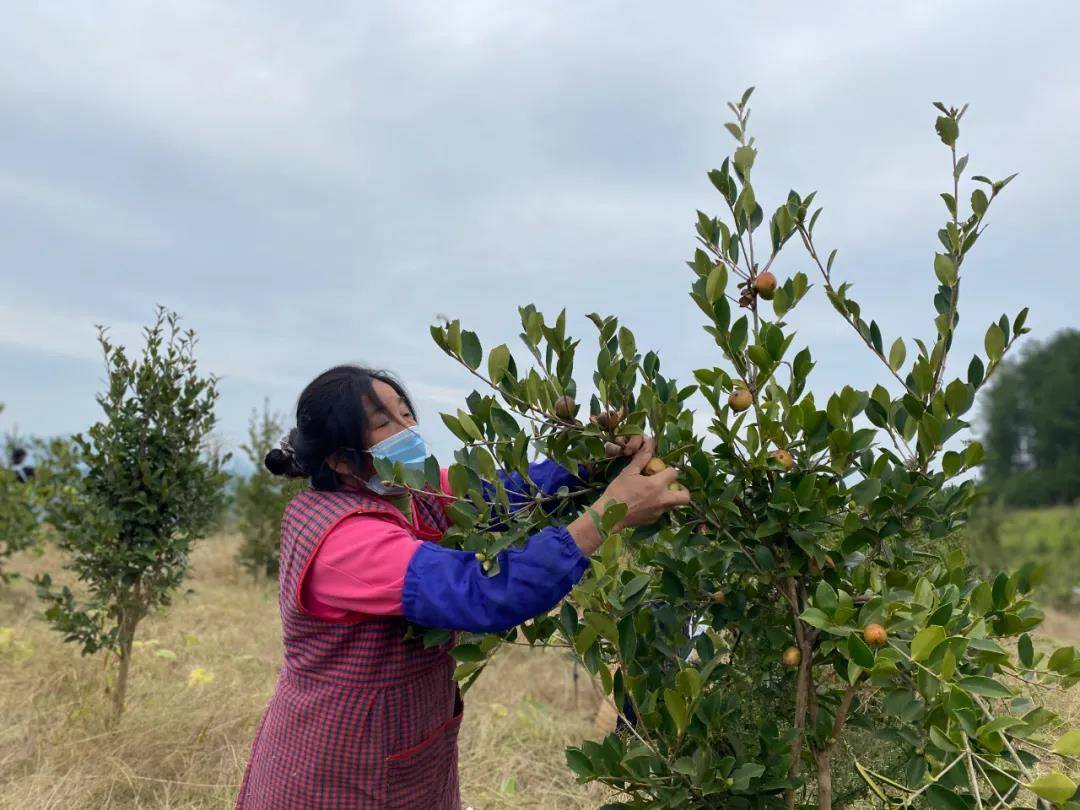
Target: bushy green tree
<point x="130" y="495"/>
<point x="18" y="517"/>
<point x="1032" y="425"/>
<point x="808" y="631"/>
<point x="261" y="498"/>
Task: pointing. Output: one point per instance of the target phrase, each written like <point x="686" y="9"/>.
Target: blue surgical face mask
<point x="407" y="447"/>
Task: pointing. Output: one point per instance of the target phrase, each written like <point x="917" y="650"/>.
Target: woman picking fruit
<point x="362" y="717"/>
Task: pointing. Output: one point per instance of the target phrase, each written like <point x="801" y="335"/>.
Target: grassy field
<point x="1050" y="536"/>
<point x="201" y="677"/>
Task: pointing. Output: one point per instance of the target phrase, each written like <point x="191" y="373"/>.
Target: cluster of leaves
<point x="128" y="497"/>
<point x="809" y="524"/>
<point x="260" y="498"/>
<point x="18" y="517"/>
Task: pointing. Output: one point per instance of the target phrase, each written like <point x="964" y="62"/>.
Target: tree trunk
<point x="129" y="620"/>
<point x="824" y="779"/>
<point x="120" y="692"/>
<point x="803" y="685"/>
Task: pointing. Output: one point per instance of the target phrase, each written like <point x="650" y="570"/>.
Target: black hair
<point x="331" y="420"/>
<point x="18" y="455"/>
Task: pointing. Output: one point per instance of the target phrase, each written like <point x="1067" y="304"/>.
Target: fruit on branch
<point x="784" y="457"/>
<point x="565" y="407"/>
<point x="740" y="400"/>
<point x="609" y="419"/>
<point x="792" y="657"/>
<point x="815" y="569"/>
<point x="675" y="486"/>
<point x="719" y="598"/>
<point x="654" y="466"/>
<point x="875" y="635"/>
<point x="765" y="285"/>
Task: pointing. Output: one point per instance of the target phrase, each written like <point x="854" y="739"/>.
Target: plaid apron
<point x="360" y="717"/>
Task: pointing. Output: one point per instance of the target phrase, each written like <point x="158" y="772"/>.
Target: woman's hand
<point x="623" y="446"/>
<point x="646" y="497"/>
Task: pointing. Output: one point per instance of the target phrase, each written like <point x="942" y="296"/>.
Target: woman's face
<point x="394" y="415"/>
<point x="385" y="418"/>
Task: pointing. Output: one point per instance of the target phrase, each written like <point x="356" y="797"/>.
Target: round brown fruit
<point x="740" y="400"/>
<point x="875" y="635"/>
<point x="609" y="419"/>
<point x="565" y="407"/>
<point x="765" y="284"/>
<point x="654" y="466"/>
<point x="719" y="598"/>
<point x="784" y="457"/>
<point x="792" y="657"/>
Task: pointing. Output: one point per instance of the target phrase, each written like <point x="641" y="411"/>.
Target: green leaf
<point x="1069" y="744"/>
<point x="865" y="491"/>
<point x="981" y="685"/>
<point x="717" y="281"/>
<point x="471" y="352"/>
<point x="942" y="799"/>
<point x="860" y="653"/>
<point x="469" y="426"/>
<point x="897" y="354"/>
<point x="979" y="202"/>
<point x="941" y="741"/>
<point x="825" y="597"/>
<point x="952" y="462"/>
<point x="579" y="763"/>
<point x="926" y="641"/>
<point x="975" y="371"/>
<point x="676" y="707"/>
<point x="994" y="342"/>
<point x="1026" y="650"/>
<point x="466" y="653"/>
<point x="815" y="618"/>
<point x="947" y="129"/>
<point x="1054" y="787"/>
<point x="744" y="159"/>
<point x="944" y="269"/>
<point x="1061" y="658"/>
<point x="958" y="397"/>
<point x="498" y="362"/>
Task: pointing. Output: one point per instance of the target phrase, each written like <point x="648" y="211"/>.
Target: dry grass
<point x="184" y="746"/>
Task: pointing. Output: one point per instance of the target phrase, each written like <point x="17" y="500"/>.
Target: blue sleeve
<point x="547" y="476"/>
<point x="447" y="589"/>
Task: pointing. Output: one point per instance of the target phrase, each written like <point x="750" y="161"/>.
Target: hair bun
<point x="283" y="461"/>
<point x="277" y="462"/>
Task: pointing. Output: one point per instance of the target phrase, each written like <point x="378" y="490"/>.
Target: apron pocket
<point x="425" y="776"/>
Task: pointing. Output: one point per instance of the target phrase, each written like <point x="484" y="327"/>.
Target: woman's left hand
<point x="625" y="446"/>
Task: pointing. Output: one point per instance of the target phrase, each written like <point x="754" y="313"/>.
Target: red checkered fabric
<point x="361" y="718"/>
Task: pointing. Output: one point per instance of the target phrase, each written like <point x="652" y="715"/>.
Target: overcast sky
<point x="308" y="184"/>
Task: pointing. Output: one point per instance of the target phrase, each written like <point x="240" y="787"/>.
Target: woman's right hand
<point x="647" y="498"/>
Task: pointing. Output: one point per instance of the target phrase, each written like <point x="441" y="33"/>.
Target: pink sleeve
<point x="359" y="569"/>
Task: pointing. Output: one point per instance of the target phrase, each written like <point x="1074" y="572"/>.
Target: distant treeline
<point x="1031" y="426"/>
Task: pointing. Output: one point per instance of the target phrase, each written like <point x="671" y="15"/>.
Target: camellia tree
<point x="128" y="497"/>
<point x="261" y="498"/>
<point x="18" y="519"/>
<point x="808" y="631"/>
